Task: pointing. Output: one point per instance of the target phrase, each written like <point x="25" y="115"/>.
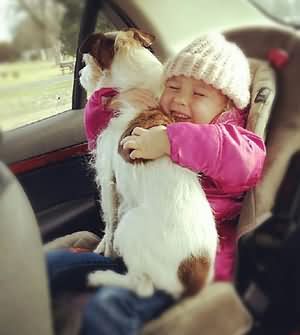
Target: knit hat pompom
<point x="217" y="62"/>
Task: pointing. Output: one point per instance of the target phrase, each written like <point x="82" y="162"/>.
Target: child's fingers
<point x="114" y="103"/>
<point x="135" y="154"/>
<point x="138" y="131"/>
<point x="125" y="139"/>
<point x="131" y="144"/>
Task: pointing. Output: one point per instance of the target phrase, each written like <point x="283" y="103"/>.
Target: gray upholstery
<point x="283" y="133"/>
<point x="24" y="298"/>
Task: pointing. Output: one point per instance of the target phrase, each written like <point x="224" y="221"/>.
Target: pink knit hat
<point x="217" y="62"/>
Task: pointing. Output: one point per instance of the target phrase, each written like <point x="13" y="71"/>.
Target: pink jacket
<point x="228" y="158"/>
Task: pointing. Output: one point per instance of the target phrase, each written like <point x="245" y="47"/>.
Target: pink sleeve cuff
<point x="96" y="116"/>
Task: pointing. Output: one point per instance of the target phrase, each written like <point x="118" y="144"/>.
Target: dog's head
<point x="119" y="59"/>
<point x="104" y="46"/>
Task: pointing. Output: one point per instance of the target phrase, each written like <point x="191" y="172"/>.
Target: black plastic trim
<point x="87" y="26"/>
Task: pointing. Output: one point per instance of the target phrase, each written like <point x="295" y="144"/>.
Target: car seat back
<point x="24" y="301"/>
<point x="283" y="128"/>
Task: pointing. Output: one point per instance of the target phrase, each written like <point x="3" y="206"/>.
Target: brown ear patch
<point x="145" y="39"/>
<point x="193" y="274"/>
<point x="147" y="119"/>
<point x="101" y="47"/>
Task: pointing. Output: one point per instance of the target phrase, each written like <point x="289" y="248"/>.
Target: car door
<point x="48" y="153"/>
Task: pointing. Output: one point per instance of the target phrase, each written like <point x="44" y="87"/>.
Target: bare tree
<point x="40" y="27"/>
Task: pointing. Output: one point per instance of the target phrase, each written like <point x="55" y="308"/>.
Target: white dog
<point x="156" y="214"/>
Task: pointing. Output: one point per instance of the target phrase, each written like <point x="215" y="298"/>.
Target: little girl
<point x="207" y="92"/>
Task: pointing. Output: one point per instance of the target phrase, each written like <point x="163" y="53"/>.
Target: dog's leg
<point x="141" y="285"/>
<point x="109" y="205"/>
<point x="109" y="199"/>
<point x="109" y="278"/>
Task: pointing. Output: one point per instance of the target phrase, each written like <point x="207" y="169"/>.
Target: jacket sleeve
<point x="96" y="115"/>
<point x="230" y="155"/>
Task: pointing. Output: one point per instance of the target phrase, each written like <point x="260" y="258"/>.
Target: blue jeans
<point x="110" y="310"/>
<point x="68" y="270"/>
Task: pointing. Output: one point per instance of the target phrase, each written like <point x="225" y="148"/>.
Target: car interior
<point x="46" y="180"/>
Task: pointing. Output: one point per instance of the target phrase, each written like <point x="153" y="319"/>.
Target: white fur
<point x="89" y="75"/>
<point x="163" y="215"/>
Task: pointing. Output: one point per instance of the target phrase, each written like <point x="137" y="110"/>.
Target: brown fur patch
<point x="147" y="119"/>
<point x="193" y="274"/>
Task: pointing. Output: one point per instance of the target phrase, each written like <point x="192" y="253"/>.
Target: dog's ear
<point x="100" y="47"/>
<point x="145" y="39"/>
<point x="87" y="44"/>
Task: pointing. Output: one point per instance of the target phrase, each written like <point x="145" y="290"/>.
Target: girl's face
<point x="191" y="100"/>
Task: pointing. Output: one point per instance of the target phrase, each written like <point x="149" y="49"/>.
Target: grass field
<point x="30" y="91"/>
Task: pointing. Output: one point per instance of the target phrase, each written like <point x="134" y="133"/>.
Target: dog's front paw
<point x="145" y="289"/>
<point x="105" y="278"/>
<point x="94" y="279"/>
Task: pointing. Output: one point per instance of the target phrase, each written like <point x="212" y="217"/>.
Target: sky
<point x="5" y="20"/>
<point x="4" y="23"/>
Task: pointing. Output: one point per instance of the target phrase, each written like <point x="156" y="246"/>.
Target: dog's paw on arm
<point x="146" y="120"/>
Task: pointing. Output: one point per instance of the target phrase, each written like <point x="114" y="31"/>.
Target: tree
<point x="53" y="23"/>
<point x="40" y="25"/>
<point x="70" y="25"/>
<point x="30" y="36"/>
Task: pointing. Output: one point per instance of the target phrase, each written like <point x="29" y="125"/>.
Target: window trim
<point x="87" y="26"/>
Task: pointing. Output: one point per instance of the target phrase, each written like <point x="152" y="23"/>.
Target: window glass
<point x="104" y="23"/>
<point x="284" y="11"/>
<point x="38" y="41"/>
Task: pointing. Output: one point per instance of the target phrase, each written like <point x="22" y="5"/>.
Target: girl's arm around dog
<point x="101" y="105"/>
<point x="231" y="155"/>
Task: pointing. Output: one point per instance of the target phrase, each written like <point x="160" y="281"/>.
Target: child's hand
<point x="147" y="143"/>
<point x="141" y="99"/>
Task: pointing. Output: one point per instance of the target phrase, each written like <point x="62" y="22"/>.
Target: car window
<point x="38" y="41"/>
<point x="282" y="11"/>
